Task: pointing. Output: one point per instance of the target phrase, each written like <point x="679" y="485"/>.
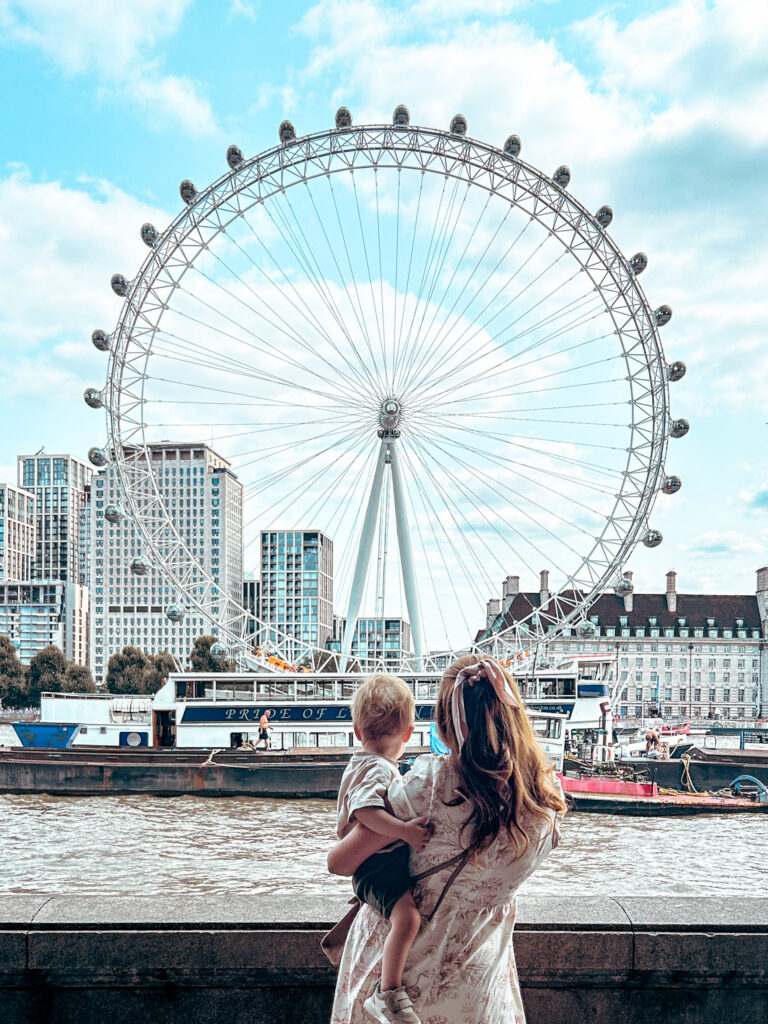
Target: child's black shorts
<point x="382" y="879"/>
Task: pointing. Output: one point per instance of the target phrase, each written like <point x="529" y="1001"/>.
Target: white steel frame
<point x="418" y="149"/>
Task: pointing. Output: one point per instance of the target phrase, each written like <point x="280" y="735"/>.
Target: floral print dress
<point x="461" y="968"/>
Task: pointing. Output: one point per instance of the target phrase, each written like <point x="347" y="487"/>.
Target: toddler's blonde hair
<point x="383" y="706"/>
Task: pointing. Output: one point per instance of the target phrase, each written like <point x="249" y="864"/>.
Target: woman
<point x="492" y="796"/>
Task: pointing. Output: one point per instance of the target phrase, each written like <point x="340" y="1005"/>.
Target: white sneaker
<point x="391" y="1007"/>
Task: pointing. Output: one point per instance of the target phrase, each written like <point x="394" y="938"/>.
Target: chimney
<point x="628" y="597"/>
<point x="543" y="587"/>
<point x="761" y="592"/>
<point x="672" y="592"/>
<point x="492" y="610"/>
<point x="510" y="590"/>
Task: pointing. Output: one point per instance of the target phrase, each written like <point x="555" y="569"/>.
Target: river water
<point x="191" y="845"/>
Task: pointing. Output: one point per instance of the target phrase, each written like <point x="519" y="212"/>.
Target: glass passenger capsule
<point x="97" y="457"/>
<point x="175" y="612"/>
<point x="119" y="285"/>
<point x="623" y="586"/>
<point x="562" y="176"/>
<point x="401" y="117"/>
<point x="459" y="124"/>
<point x="671" y="485"/>
<point x="343" y="118"/>
<point x="148" y="234"/>
<point x="679" y="428"/>
<point x="513" y="145"/>
<point x="113" y="514"/>
<point x="585" y="628"/>
<point x="652" y="538"/>
<point x="92" y="398"/>
<point x="187" y="191"/>
<point x="100" y="340"/>
<point x="286" y="132"/>
<point x="140" y="566"/>
<point x="219" y="651"/>
<point x="638" y="263"/>
<point x="604" y="216"/>
<point x="676" y="370"/>
<point x="234" y="157"/>
<point x="662" y="315"/>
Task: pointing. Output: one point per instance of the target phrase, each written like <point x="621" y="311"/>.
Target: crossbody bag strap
<point x="458" y="862"/>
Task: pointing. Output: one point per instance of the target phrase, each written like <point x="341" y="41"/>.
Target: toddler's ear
<point x="408" y="733"/>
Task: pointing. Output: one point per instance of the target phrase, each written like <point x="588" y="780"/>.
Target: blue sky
<point x="658" y="109"/>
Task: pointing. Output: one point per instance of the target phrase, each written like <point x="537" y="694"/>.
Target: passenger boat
<point x="569" y="706"/>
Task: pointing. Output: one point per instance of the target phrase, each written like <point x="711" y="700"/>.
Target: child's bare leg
<point x="404" y="922"/>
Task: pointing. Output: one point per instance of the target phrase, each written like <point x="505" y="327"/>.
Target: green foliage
<point x="200" y="659"/>
<point x="161" y="666"/>
<point x="46" y="673"/>
<point x="131" y="671"/>
<point x="13" y="681"/>
<point x="79" y="679"/>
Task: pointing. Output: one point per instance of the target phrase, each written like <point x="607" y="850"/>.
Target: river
<point x="191" y="845"/>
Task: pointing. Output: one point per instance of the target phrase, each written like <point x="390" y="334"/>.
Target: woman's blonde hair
<point x="501" y="767"/>
<point x="383" y="706"/>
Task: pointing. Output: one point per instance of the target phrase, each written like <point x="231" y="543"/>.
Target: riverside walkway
<point x="205" y="960"/>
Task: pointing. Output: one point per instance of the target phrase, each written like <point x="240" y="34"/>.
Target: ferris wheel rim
<point x="287" y="157"/>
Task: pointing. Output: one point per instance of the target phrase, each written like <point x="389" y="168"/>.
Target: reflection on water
<point x="189" y="845"/>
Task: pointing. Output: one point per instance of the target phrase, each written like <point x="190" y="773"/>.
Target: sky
<point x="657" y="108"/>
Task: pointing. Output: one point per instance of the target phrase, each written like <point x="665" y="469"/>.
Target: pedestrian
<point x="494" y="806"/>
<point x="264" y="728"/>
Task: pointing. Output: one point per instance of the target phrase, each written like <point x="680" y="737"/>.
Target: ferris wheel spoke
<point x="264" y="348"/>
<point x="493" y="486"/>
<point x="398" y="340"/>
<point x="359" y="370"/>
<point x="431" y="515"/>
<point x="439" y="469"/>
<point x="437" y="225"/>
<point x="546" y="470"/>
<point x="475" y="322"/>
<point x="498" y="343"/>
<point x="213" y="361"/>
<point x="435" y="271"/>
<point x="510" y="362"/>
<point x="379" y="325"/>
<point x="537" y="483"/>
<point x="280" y="324"/>
<point x="254" y="399"/>
<point x="360" y="316"/>
<point x="535" y="391"/>
<point x="438" y="335"/>
<point x="445" y="423"/>
<point x="297" y="492"/>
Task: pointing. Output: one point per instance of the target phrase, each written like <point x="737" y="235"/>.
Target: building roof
<point x="695" y="609"/>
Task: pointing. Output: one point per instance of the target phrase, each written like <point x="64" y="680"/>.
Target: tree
<point x="127" y="671"/>
<point x="13" y="681"/>
<point x="79" y="679"/>
<point x="46" y="673"/>
<point x="159" y="668"/>
<point x="200" y="659"/>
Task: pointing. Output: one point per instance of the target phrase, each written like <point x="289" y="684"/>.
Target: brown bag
<point x="332" y="943"/>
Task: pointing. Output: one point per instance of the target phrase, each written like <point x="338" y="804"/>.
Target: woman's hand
<point x="350" y="852"/>
<point x="417" y="832"/>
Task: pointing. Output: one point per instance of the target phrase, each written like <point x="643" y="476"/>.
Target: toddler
<point x="382" y="714"/>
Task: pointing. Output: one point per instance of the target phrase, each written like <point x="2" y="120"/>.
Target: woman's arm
<point x="350" y="852"/>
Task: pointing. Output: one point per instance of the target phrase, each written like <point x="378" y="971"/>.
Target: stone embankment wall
<point x="208" y="960"/>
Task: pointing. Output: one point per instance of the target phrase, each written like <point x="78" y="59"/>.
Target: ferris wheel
<point x="416" y="344"/>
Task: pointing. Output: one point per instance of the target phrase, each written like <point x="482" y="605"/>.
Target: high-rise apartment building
<point x="378" y="643"/>
<point x="59" y="484"/>
<point x="17" y="533"/>
<point x="296" y="589"/>
<point x="204" y="499"/>
<point x="678" y="655"/>
<point x="251" y="594"/>
<point x="36" y="614"/>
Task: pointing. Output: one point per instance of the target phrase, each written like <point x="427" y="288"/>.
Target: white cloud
<point x="169" y="98"/>
<point x="91" y="34"/>
<point x="117" y="43"/>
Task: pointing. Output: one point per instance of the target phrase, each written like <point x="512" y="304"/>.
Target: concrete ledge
<point x="82" y="960"/>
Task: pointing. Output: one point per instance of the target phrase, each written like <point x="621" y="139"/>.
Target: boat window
<point x="234" y="691"/>
<point x="547" y="728"/>
<point x="329" y="739"/>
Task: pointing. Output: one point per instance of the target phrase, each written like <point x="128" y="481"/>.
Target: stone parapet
<point x="205" y="960"/>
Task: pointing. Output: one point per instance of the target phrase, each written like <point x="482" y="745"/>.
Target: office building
<point x="35" y="614"/>
<point x="17" y="533"/>
<point x="687" y="656"/>
<point x="378" y="643"/>
<point x="59" y="484"/>
<point x="204" y="500"/>
<point x="251" y="594"/>
<point x="296" y="590"/>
